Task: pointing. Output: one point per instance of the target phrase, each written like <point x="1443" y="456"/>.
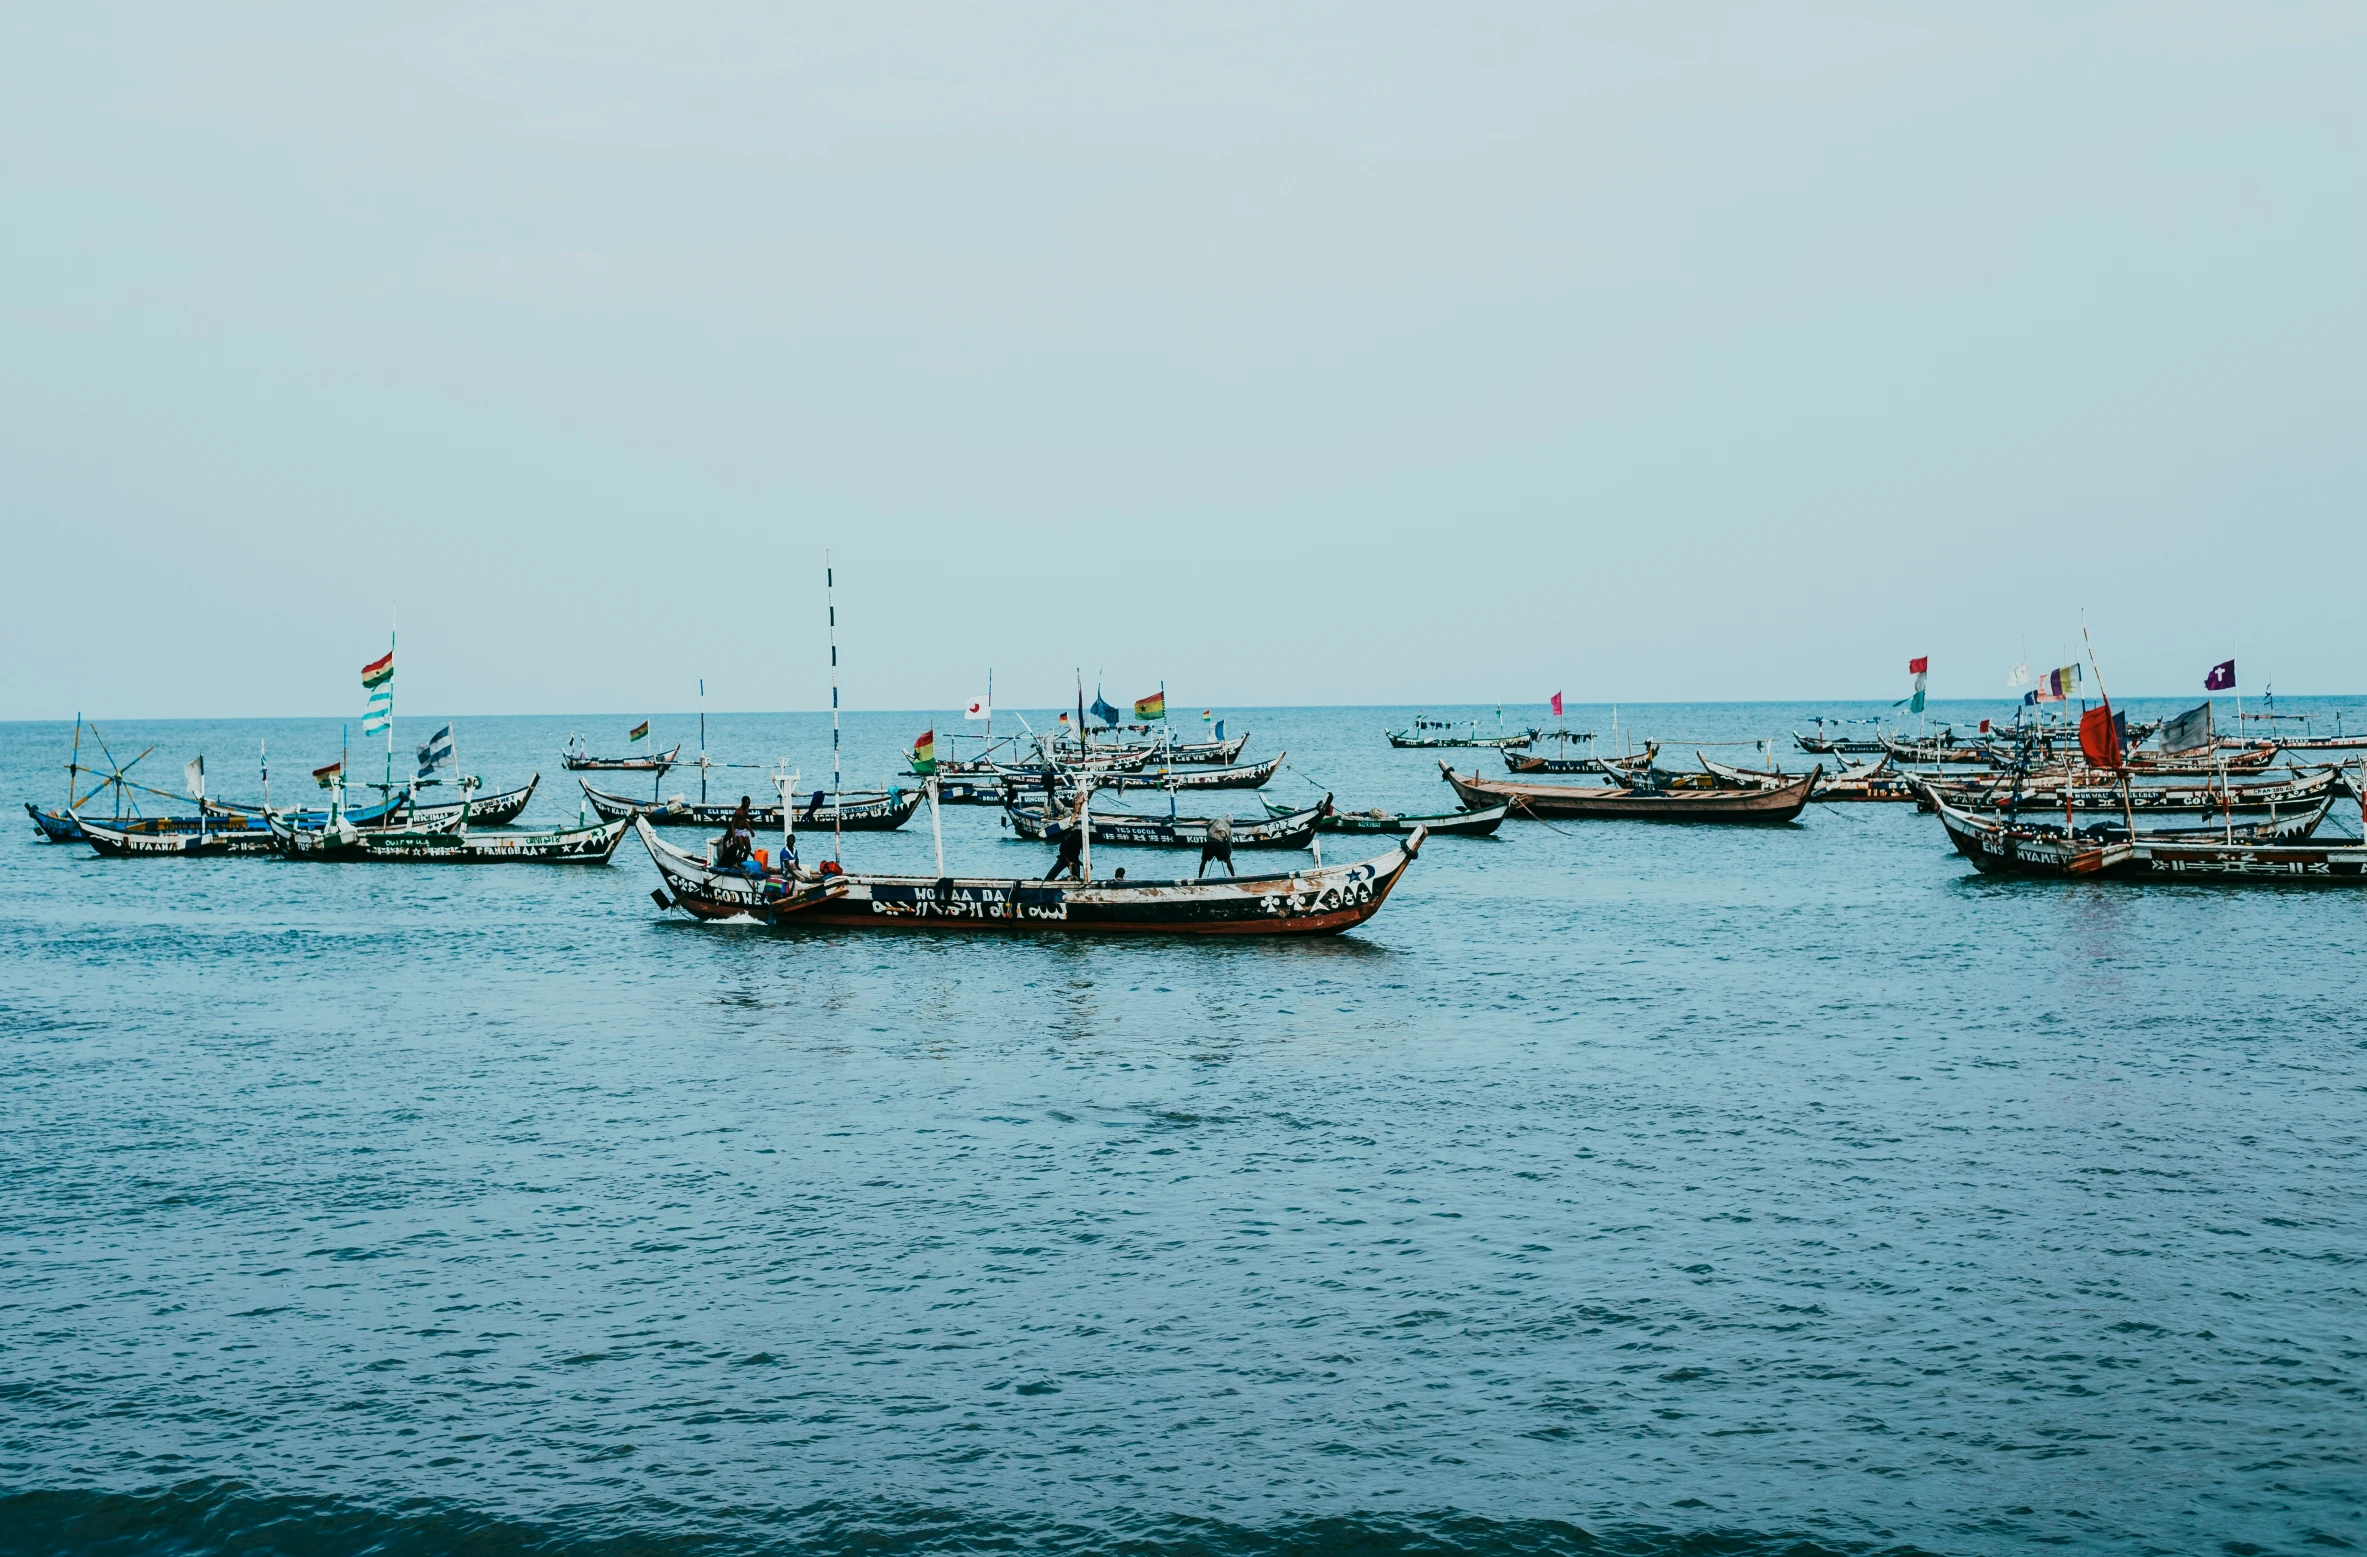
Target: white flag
<point x="982" y="709"/>
<point x="195" y="773"/>
<point x="2019" y="676"/>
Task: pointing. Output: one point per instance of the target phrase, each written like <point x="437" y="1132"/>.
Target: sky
<point x="1284" y="354"/>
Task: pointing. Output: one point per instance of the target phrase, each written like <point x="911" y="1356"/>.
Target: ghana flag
<point x="639" y="732"/>
<point x="328" y="776"/>
<point x="924" y="754"/>
<point x="1152" y="707"/>
<point x="379" y="671"/>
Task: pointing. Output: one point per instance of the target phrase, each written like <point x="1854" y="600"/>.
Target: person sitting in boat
<point x="1218" y="847"/>
<point x="739" y="838"/>
<point x="1070" y="837"/>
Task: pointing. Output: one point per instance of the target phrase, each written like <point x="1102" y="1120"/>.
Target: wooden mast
<point x="837" y="805"/>
<point x="2127" y="806"/>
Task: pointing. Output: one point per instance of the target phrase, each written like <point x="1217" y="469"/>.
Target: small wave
<point x="206" y="1518"/>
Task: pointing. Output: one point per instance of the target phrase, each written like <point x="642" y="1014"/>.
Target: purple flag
<point x="2222" y="677"/>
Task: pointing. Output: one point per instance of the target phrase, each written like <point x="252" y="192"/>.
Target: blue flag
<point x="1101" y="710"/>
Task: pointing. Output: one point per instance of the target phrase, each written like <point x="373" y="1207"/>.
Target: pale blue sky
<point x="1343" y="353"/>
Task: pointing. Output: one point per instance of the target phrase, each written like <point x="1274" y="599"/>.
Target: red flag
<point x="1557" y="705"/>
<point x="1919" y="664"/>
<point x="2099" y="737"/>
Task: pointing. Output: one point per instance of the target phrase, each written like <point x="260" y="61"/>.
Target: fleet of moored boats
<point x="2032" y="799"/>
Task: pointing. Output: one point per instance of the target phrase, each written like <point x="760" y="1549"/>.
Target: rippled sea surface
<point x="1618" y="1189"/>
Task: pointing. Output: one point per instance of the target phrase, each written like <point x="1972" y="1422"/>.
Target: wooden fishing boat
<point x="1446" y="824"/>
<point x="1319" y="900"/>
<point x="1823" y="745"/>
<point x="1249" y="775"/>
<point x="177" y="837"/>
<point x="1602" y="802"/>
<point x="452" y="844"/>
<point x="403" y="810"/>
<point x="867" y="810"/>
<point x="1997" y="846"/>
<point x="56" y="826"/>
<point x="2249" y="759"/>
<point x="2325" y="743"/>
<point x="577" y="760"/>
<point x="1562" y="762"/>
<point x="1427" y="733"/>
<point x="1867" y="784"/>
<point x="1732" y="777"/>
<point x="1100" y="760"/>
<point x="1943" y="750"/>
<point x="1290" y="830"/>
<point x="970" y="790"/>
<point x="1185" y="752"/>
<point x="2104" y="795"/>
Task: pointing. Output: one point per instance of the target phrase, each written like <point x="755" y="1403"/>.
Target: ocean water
<point x="1619" y="1189"/>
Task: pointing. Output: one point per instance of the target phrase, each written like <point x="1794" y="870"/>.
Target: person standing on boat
<point x="1219" y="847"/>
<point x="739" y="837"/>
<point x="1071" y="860"/>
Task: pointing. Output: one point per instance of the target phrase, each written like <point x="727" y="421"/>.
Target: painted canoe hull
<point x="485" y="811"/>
<point x="866" y="811"/>
<point x="1453" y="824"/>
<point x="1252" y="775"/>
<point x="134" y="842"/>
<point x="1996" y="847"/>
<point x="1876" y="784"/>
<point x="1215" y="753"/>
<point x="1324" y="900"/>
<point x="452" y="846"/>
<point x="2147" y="800"/>
<point x="1570" y="802"/>
<point x="965" y="790"/>
<point x="1292" y="830"/>
<point x="655" y="762"/>
<point x="56" y="826"/>
<point x="1407" y="742"/>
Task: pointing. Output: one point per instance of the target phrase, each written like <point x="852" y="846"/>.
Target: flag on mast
<point x="379" y="715"/>
<point x="2103" y="736"/>
<point x="325" y="777"/>
<point x="640" y="732"/>
<point x="2055" y="686"/>
<point x="1102" y="708"/>
<point x="435" y="751"/>
<point x="2221" y="678"/>
<point x="195" y="774"/>
<point x="379" y="671"/>
<point x="982" y="709"/>
<point x="1557" y="705"/>
<point x="924" y="754"/>
<point x="1919" y="667"/>
<point x="1152" y="707"/>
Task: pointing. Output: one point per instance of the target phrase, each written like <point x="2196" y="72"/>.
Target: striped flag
<point x="435" y="751"/>
<point x="328" y="775"/>
<point x="379" y="716"/>
<point x="640" y="732"/>
<point x="379" y="671"/>
<point x="924" y="753"/>
<point x="1152" y="707"/>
